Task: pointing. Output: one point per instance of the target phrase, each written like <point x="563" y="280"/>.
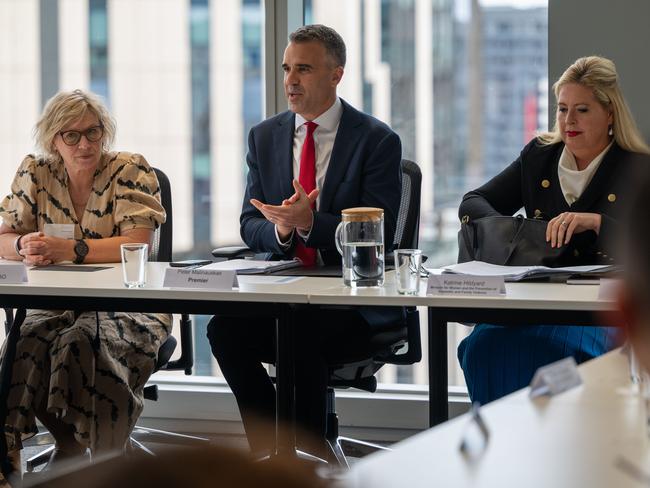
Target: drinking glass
<point x="407" y="270"/>
<point x="134" y="260"/>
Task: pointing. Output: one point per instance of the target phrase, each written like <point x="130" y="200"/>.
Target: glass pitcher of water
<point x="360" y="240"/>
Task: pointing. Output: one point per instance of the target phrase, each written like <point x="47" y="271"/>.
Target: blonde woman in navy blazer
<point x="578" y="178"/>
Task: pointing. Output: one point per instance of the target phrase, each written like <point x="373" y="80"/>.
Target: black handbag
<point x="509" y="241"/>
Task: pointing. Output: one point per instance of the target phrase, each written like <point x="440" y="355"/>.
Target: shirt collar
<point x="328" y="120"/>
<point x="568" y="161"/>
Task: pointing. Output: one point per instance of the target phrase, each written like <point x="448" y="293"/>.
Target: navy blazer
<point x="364" y="171"/>
<point x="532" y="182"/>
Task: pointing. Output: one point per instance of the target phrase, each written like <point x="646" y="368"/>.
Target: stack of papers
<point x="253" y="266"/>
<point x="518" y="273"/>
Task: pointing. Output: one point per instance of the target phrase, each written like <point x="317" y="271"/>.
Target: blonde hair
<point x="599" y="74"/>
<point x="64" y="108"/>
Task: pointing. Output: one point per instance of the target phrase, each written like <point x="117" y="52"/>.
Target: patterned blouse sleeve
<point x="137" y="196"/>
<point x="19" y="210"/>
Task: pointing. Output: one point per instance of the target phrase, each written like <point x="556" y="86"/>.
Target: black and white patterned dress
<point x="99" y="392"/>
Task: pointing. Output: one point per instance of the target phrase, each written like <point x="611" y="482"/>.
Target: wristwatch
<point x="80" y="251"/>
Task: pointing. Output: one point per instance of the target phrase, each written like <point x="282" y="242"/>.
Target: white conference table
<point x="528" y="303"/>
<point x="103" y="290"/>
<point x="594" y="435"/>
<point x="278" y="295"/>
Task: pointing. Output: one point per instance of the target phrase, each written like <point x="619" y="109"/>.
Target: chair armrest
<point x="232" y="252"/>
<point x="186" y="361"/>
<point x="414" y="352"/>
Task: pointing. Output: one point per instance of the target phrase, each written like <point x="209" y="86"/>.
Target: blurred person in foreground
<point x="81" y="374"/>
<point x="191" y="467"/>
<point x="634" y="294"/>
<point x="578" y="179"/>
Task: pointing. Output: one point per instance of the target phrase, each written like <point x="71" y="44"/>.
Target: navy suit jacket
<point x="364" y="171"/>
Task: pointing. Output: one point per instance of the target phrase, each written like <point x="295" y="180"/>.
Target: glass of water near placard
<point x="407" y="270"/>
<point x="134" y="261"/>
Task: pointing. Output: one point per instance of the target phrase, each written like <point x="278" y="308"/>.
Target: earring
<point x="610" y="131"/>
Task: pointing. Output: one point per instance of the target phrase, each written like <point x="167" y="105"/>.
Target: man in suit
<point x="305" y="166"/>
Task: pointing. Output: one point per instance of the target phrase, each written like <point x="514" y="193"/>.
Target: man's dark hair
<point x="327" y="36"/>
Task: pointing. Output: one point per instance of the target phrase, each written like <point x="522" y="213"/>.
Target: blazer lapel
<point x="345" y="143"/>
<point x="552" y="175"/>
<point x="283" y="155"/>
<point x="602" y="178"/>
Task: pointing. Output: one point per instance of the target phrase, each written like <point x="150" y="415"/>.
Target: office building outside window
<point x="463" y="83"/>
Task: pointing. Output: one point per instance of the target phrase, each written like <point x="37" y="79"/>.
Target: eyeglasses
<point x="72" y="137"/>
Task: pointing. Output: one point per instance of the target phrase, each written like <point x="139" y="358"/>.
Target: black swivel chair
<point x="161" y="250"/>
<point x="400" y="346"/>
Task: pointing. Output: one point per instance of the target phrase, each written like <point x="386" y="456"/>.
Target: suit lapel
<point x="345" y="143"/>
<point x="283" y="155"/>
<point x="601" y="180"/>
<point x="553" y="176"/>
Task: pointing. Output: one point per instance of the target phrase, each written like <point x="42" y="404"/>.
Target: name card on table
<point x="64" y="231"/>
<point x="208" y="279"/>
<point x="12" y="273"/>
<point x="555" y="378"/>
<point x="455" y="284"/>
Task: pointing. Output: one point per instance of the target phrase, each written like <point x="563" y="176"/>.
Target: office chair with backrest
<point x="400" y="346"/>
<point x="161" y="250"/>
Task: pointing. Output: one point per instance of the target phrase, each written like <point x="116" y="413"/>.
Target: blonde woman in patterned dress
<point x="87" y="397"/>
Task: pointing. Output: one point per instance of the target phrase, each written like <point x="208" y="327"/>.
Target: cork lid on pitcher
<point x="362" y="214"/>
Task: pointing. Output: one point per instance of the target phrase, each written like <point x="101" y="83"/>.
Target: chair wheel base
<point x="146" y="434"/>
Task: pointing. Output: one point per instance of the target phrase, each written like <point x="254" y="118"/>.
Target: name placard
<point x="453" y="284"/>
<point x="555" y="378"/>
<point x="64" y="231"/>
<point x="11" y="273"/>
<point x="208" y="279"/>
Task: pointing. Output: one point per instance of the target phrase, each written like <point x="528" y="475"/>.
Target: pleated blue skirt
<point x="497" y="360"/>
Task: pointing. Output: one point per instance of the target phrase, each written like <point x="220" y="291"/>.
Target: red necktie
<point x="307" y="179"/>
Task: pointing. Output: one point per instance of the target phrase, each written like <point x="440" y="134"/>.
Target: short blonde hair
<point x="599" y="74"/>
<point x="64" y="108"/>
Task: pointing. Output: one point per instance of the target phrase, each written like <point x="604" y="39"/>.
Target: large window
<point x="463" y="83"/>
<point x="183" y="78"/>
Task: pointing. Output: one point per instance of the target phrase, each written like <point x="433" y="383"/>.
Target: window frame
<point x="183" y="400"/>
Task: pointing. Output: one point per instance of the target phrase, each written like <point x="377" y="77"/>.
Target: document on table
<point x="518" y="273"/>
<point x="69" y="267"/>
<point x="253" y="266"/>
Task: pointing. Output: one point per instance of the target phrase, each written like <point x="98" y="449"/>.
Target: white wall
<point x="617" y="30"/>
<point x="149" y="87"/>
<point x="74" y="48"/>
<point x="20" y="96"/>
<point x="226" y="137"/>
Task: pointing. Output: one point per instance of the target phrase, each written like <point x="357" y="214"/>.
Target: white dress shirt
<point x="572" y="180"/>
<point x="324" y="135"/>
